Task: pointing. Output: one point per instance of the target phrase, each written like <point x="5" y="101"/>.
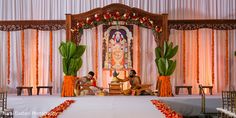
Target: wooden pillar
<point x="164" y="34"/>
<point x="68" y="27"/>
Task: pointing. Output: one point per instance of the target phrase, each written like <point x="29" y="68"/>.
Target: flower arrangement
<point x="129" y="18"/>
<point x="58" y="110"/>
<point x="166" y="110"/>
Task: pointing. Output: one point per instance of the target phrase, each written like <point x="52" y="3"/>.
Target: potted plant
<point x="166" y="67"/>
<point x="72" y="62"/>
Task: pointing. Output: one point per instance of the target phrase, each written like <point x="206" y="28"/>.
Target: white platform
<point x="107" y="106"/>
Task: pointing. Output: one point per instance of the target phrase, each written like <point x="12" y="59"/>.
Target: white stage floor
<point x="107" y="106"/>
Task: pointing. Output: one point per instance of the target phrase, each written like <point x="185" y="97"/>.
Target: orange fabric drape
<point x="8" y="56"/>
<point x="184" y="57"/>
<point x="96" y="53"/>
<point x="138" y="53"/>
<point x="37" y="57"/>
<point x="212" y="56"/>
<point x="51" y="55"/>
<point x="227" y="58"/>
<point x="68" y="86"/>
<point x="165" y="89"/>
<point x="197" y="55"/>
<point x="23" y="57"/>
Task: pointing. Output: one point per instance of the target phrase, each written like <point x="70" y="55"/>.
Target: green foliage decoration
<point x="71" y="56"/>
<point x="164" y="63"/>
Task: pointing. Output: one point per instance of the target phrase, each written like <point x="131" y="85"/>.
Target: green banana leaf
<point x="72" y="49"/>
<point x="65" y="65"/>
<point x="172" y="52"/>
<point x="162" y="66"/>
<point x="79" y="63"/>
<point x="158" y="52"/>
<point x="79" y="51"/>
<point x="62" y="49"/>
<point x="165" y="48"/>
<point x="171" y="68"/>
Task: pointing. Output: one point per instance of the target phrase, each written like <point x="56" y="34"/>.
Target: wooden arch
<point x="75" y="23"/>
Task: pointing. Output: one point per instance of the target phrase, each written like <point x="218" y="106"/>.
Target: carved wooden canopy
<point x="116" y="12"/>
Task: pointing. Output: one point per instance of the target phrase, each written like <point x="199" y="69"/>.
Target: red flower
<point x="80" y="25"/>
<point x="126" y="16"/>
<point x="107" y="16"/>
<point x="89" y="20"/>
<point x="117" y="15"/>
<point x="97" y="18"/>
<point x="158" y="29"/>
<point x="134" y="17"/>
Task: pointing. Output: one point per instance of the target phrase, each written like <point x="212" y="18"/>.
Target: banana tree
<point x="71" y="54"/>
<point x="166" y="67"/>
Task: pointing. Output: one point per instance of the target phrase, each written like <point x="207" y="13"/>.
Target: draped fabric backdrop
<point x="181" y="9"/>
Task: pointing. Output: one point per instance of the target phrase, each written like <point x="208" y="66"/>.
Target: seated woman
<point x="87" y="85"/>
<point x="136" y="87"/>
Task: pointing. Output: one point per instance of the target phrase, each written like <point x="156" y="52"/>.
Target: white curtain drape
<point x="56" y="9"/>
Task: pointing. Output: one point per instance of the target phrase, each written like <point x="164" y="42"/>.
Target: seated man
<point x="136" y="87"/>
<point x="88" y="85"/>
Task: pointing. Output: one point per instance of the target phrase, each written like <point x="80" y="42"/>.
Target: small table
<point x="209" y="87"/>
<point x="189" y="88"/>
<point x="20" y="88"/>
<point x="115" y="88"/>
<point x="47" y="87"/>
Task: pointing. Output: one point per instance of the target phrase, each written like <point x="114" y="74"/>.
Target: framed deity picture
<point x="117" y="47"/>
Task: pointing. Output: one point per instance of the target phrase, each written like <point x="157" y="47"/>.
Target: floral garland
<point x="58" y="110"/>
<point x="166" y="110"/>
<point x="107" y="18"/>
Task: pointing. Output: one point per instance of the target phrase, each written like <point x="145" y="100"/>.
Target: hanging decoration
<point x="197" y="55"/>
<point x="138" y="59"/>
<point x="23" y="57"/>
<point x="8" y="56"/>
<point x="51" y="56"/>
<point x="212" y="56"/>
<point x="227" y="58"/>
<point x="184" y="57"/>
<point x="96" y="52"/>
<point x="37" y="57"/>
